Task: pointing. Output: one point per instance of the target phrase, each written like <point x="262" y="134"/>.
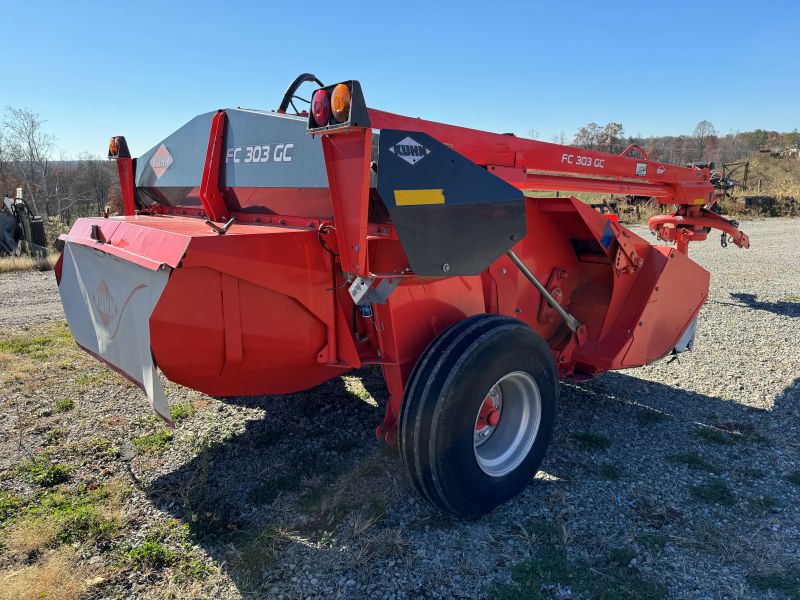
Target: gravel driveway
<point x="680" y="479"/>
<point x="28" y="298"/>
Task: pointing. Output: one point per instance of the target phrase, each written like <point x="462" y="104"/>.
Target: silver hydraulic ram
<point x="571" y="321"/>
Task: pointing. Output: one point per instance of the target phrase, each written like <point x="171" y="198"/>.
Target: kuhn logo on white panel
<point x="103" y="303"/>
<point x="160" y="161"/>
<point x="409" y="150"/>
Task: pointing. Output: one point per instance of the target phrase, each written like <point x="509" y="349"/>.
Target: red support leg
<point x="394" y="384"/>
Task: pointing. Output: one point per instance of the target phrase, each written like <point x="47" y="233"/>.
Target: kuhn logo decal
<point x="661" y="170"/>
<point x="103" y="303"/>
<point x="161" y="161"/>
<point x="106" y="309"/>
<point x="409" y="150"/>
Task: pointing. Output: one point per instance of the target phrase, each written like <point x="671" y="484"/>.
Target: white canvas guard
<point x="108" y="302"/>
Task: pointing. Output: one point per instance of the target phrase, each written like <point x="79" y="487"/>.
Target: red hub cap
<point x="488" y="416"/>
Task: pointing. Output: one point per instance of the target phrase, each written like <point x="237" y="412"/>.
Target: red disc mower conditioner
<point x="263" y="252"/>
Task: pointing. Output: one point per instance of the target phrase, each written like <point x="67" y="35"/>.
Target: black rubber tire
<point x="445" y="392"/>
<point x="413" y="429"/>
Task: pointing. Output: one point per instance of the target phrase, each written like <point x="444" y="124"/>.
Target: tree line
<point x="703" y="145"/>
<point x="66" y="189"/>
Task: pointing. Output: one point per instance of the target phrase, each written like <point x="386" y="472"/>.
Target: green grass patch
<point x="764" y="504"/>
<point x="593" y="442"/>
<point x="9" y="507"/>
<point x="38" y="345"/>
<point x="649" y="416"/>
<point x="80" y="516"/>
<point x="609" y="471"/>
<point x="65" y="405"/>
<point x="96" y="448"/>
<point x="793" y="477"/>
<point x="694" y="461"/>
<point x="40" y="471"/>
<point x="154" y="443"/>
<point x="786" y="582"/>
<point x="92" y="379"/>
<point x="713" y="436"/>
<point x="714" y="491"/>
<point x="150" y="555"/>
<point x="180" y="411"/>
<point x="551" y="567"/>
<point x="729" y="433"/>
<point x="54" y="435"/>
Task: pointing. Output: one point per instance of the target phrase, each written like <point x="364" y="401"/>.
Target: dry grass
<point x="383" y="544"/>
<point x="95" y="516"/>
<point x="16" y="369"/>
<point x="56" y="577"/>
<point x="364" y="522"/>
<point x="29" y="358"/>
<point x="778" y="177"/>
<point x="11" y="264"/>
<point x="30" y="536"/>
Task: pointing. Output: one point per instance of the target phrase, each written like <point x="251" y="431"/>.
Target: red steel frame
<point x="622" y="292"/>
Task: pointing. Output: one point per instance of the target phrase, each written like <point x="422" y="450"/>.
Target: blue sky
<point x="94" y="69"/>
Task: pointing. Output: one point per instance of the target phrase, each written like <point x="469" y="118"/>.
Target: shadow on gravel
<point x="248" y="499"/>
<point x="786" y="308"/>
<point x="311" y="471"/>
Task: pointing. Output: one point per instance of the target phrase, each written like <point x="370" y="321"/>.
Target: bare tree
<point x="4" y="167"/>
<point x="702" y="133"/>
<point x="95" y="179"/>
<point x="727" y="148"/>
<point x="609" y="138"/>
<point x="588" y="136"/>
<point x="64" y="192"/>
<point x="29" y="149"/>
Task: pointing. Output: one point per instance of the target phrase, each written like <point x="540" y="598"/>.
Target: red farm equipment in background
<point x="262" y="252"/>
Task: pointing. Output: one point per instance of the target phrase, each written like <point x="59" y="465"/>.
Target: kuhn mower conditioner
<point x="263" y="253"/>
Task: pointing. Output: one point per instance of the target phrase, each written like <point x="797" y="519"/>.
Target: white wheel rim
<point x="507" y="424"/>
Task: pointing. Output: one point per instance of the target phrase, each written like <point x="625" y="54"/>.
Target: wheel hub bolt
<point x="493" y="418"/>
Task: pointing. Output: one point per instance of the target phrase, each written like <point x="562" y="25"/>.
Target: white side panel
<point x="687" y="339"/>
<point x="108" y="303"/>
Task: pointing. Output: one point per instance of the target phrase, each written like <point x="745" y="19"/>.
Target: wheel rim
<point x="507" y="423"/>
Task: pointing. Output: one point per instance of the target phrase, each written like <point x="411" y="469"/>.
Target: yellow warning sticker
<point x="418" y="197"/>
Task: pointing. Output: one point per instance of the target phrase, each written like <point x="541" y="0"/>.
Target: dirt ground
<point x="676" y="480"/>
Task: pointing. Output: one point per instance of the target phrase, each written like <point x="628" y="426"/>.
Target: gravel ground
<point x="28" y="298"/>
<point x="680" y="479"/>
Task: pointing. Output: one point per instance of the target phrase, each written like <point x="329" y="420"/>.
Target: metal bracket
<point x="571" y="321"/>
<point x="626" y="250"/>
<point x="546" y="312"/>
<point x="221" y="230"/>
<point x="362" y="290"/>
<point x="97" y="234"/>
